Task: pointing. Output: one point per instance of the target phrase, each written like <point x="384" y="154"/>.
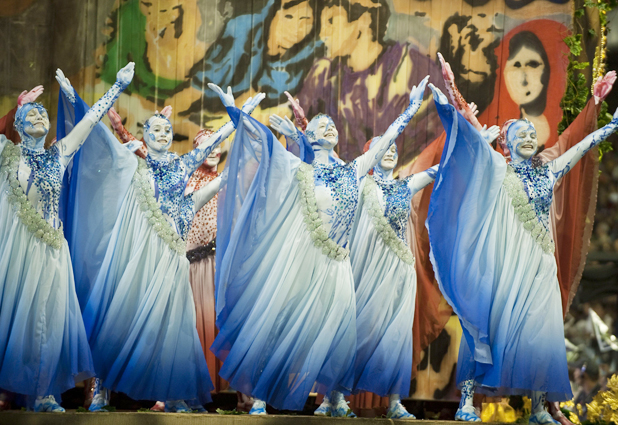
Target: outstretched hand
<point x="447" y="72"/>
<point x="438" y="96"/>
<point x="603" y="86"/>
<point x="65" y="85"/>
<point x="251" y="103"/>
<point x="29" y="96"/>
<point x="490" y="134"/>
<point x="226" y="98"/>
<point x="299" y="113"/>
<point x="167" y="111"/>
<point x="125" y="75"/>
<point x="417" y="93"/>
<point x="282" y="125"/>
<point x="114" y="118"/>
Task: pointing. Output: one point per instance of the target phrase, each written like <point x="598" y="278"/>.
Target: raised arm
<point x="130" y="142"/>
<point x="69" y="145"/>
<point x="563" y="164"/>
<point x="206" y="193"/>
<point x="197" y="156"/>
<point x="419" y="181"/>
<point x="369" y="159"/>
<point x="299" y="113"/>
<point x="286" y="127"/>
<point x="468" y="110"/>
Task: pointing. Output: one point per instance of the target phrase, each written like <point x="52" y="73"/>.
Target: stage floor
<point x="147" y="418"/>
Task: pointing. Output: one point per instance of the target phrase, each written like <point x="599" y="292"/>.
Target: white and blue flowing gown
<point x="94" y="186"/>
<point x="385" y="279"/>
<point x="43" y="345"/>
<point x="494" y="262"/>
<point x="139" y="313"/>
<point x="284" y="285"/>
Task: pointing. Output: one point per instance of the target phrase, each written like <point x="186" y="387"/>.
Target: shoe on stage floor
<point x="341" y="410"/>
<point x="176" y="406"/>
<point x="259" y="407"/>
<point x="323" y="410"/>
<point x="47" y="404"/>
<point x="399" y="412"/>
<point x="467" y="414"/>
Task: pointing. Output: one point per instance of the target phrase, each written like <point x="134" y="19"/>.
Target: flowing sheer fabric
<point x="432" y="311"/>
<point x="43" y="345"/>
<point x="571" y="214"/>
<point x="385" y="300"/>
<point x="497" y="278"/>
<point x="94" y="187"/>
<point x="136" y="298"/>
<point x="285" y="311"/>
<point x="574" y="204"/>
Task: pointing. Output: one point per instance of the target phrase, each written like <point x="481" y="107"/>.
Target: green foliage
<point x="577" y="91"/>
<point x="231" y="412"/>
<point x="82" y="409"/>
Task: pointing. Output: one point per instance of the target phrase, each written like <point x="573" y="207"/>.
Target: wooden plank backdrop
<point x="355" y="60"/>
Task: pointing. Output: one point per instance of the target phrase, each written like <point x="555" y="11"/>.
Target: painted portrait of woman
<point x="531" y="79"/>
<point x="266" y="46"/>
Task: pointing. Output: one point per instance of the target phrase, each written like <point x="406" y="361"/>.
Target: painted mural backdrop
<point x="355" y="60"/>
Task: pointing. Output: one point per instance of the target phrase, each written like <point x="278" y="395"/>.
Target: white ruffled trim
<point x="525" y="212"/>
<point x="151" y="209"/>
<point x="380" y="222"/>
<point x="309" y="208"/>
<point x="29" y="217"/>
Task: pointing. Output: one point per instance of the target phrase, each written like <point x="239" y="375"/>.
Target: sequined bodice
<point x="396" y="200"/>
<point x="538" y="186"/>
<point x="170" y="179"/>
<point x="40" y="176"/>
<point x="336" y="189"/>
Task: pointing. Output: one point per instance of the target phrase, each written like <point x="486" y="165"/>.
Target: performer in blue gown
<point x="285" y="292"/>
<point x="492" y="251"/>
<point x="43" y="345"/>
<point x="385" y="279"/>
<point x="140" y="315"/>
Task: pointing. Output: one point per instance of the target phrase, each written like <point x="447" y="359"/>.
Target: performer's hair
<point x="528" y="39"/>
<point x="502" y="137"/>
<point x="203" y="132"/>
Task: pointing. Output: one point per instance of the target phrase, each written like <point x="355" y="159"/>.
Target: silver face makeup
<point x="522" y="140"/>
<point x="159" y="135"/>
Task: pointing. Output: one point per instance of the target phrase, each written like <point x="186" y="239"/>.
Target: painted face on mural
<point x="158" y="134"/>
<point x="522" y="74"/>
<point x="213" y="159"/>
<point x="389" y="160"/>
<point x="164" y="18"/>
<point x="338" y="33"/>
<point x="36" y="122"/>
<point x="521" y="140"/>
<point x="291" y="24"/>
<point x="468" y="44"/>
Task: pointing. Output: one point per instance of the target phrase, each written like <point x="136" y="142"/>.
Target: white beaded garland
<point x="380" y="222"/>
<point x="150" y="207"/>
<point x="309" y="208"/>
<point x="525" y="212"/>
<point x="29" y="217"/>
